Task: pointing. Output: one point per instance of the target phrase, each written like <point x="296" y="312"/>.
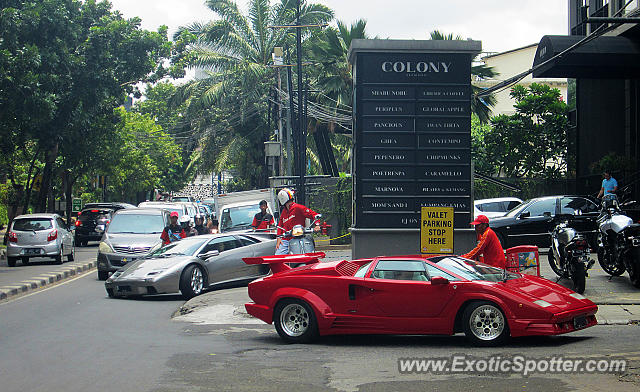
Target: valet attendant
<point x="488" y="250"/>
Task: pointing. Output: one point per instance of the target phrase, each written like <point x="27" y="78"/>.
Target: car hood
<point x="129" y="239"/>
<point x="146" y="268"/>
<point x="533" y="288"/>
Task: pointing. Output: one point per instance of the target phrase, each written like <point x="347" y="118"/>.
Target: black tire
<point x="579" y="278"/>
<point x="192" y="282"/>
<point x="553" y="263"/>
<point x="615" y="269"/>
<point x="58" y="258"/>
<point x="71" y="256"/>
<point x="25" y="261"/>
<point x="502" y="239"/>
<point x="295" y="321"/>
<point x="11" y="261"/>
<point x="634" y="273"/>
<point x="484" y="324"/>
<point x="103" y="275"/>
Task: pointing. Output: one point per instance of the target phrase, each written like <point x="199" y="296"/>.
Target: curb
<point x="48" y="279"/>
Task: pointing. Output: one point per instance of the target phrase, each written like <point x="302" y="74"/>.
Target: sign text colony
<point x="415" y="67"/>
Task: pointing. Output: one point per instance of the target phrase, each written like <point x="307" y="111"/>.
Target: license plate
<point x="32" y="251"/>
<point x="580" y="322"/>
<point x="124" y="288"/>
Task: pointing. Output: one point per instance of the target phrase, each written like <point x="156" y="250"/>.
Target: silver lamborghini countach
<point x="192" y="265"/>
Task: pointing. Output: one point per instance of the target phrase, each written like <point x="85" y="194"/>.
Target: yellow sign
<point x="436" y="230"/>
<point x="37" y="183"/>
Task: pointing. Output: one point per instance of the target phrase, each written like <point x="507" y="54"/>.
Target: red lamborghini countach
<point x="411" y="295"/>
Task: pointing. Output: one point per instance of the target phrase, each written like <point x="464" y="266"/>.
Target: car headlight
<point x="104" y="247"/>
<point x="542" y="303"/>
<point x="577" y="296"/>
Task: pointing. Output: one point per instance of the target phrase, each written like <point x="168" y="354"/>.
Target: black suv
<point x="93" y="219"/>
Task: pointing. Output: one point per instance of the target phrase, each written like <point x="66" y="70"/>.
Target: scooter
<point x="618" y="241"/>
<point x="569" y="255"/>
<point x="302" y="240"/>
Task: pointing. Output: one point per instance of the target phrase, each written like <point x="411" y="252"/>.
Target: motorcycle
<point x="302" y="240"/>
<point x="618" y="241"/>
<point x="569" y="255"/>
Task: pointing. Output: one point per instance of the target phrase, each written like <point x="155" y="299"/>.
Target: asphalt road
<point x="71" y="337"/>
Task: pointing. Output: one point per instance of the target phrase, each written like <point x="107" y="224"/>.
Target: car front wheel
<point x="11" y="261"/>
<point x="295" y="321"/>
<point x="484" y="324"/>
<point x="103" y="275"/>
<point x="191" y="282"/>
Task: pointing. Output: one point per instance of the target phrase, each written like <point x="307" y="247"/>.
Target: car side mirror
<point x="438" y="280"/>
<point x="206" y="255"/>
<point x="526" y="214"/>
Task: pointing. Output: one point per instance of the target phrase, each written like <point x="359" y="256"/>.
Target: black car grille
<point x="131" y="249"/>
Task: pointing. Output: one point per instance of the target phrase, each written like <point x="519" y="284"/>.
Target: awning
<point x="601" y="58"/>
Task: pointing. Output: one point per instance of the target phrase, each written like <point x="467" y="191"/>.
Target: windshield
<point x="471" y="270"/>
<point x="33" y="224"/>
<point x="185" y="247"/>
<point x="238" y="218"/>
<point x="136" y="223"/>
<point x="516" y="210"/>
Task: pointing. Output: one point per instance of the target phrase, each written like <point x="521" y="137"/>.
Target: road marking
<point x="52" y="286"/>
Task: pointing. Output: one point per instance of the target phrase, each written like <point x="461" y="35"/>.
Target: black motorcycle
<point x="569" y="255"/>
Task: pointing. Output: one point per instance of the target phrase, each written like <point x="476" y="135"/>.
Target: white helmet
<point x="285" y="195"/>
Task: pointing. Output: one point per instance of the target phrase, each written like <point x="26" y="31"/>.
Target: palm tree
<point x="480" y="106"/>
<point x="233" y="53"/>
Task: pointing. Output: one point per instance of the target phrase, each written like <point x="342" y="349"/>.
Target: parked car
<point x="93" y="219"/>
<point x="411" y="295"/>
<point x="183" y="199"/>
<point x="239" y="216"/>
<point x="495" y="207"/>
<point x="39" y="235"/>
<point x="191" y="265"/>
<point x="532" y="222"/>
<point x="130" y="235"/>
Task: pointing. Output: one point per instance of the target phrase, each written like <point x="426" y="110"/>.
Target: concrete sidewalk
<point x="618" y="301"/>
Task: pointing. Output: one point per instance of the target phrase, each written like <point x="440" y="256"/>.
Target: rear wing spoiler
<point x="277" y="262"/>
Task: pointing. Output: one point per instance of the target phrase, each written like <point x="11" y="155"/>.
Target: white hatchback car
<point x="39" y="235"/>
<point x="492" y="208"/>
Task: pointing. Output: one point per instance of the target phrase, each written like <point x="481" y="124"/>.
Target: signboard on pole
<point x="436" y="230"/>
<point x="76" y="205"/>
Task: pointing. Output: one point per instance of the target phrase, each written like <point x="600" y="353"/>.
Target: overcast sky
<point x="500" y="24"/>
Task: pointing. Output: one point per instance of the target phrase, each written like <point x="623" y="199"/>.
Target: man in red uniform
<point x="291" y="214"/>
<point x="173" y="232"/>
<point x="488" y="250"/>
<point x="262" y="220"/>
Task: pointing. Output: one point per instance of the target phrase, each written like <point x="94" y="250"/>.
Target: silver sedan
<point x="192" y="265"/>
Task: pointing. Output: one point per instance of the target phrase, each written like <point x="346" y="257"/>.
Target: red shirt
<point x="489" y="247"/>
<point x="261" y="222"/>
<point x="295" y="215"/>
<point x="176" y="230"/>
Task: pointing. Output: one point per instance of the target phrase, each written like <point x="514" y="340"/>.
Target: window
<point x="136" y="224"/>
<point x="61" y="223"/>
<point x="433" y="272"/>
<point x="539" y="207"/>
<point x="577" y="206"/>
<point x="512" y="204"/>
<point x="220" y="244"/>
<point x="247" y="240"/>
<point x="362" y="270"/>
<point x="32" y="224"/>
<point x="400" y="270"/>
<point x="492" y="207"/>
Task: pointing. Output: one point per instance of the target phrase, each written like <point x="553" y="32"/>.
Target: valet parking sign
<point x="436" y="230"/>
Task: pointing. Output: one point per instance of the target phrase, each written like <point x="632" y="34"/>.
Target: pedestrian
<point x="262" y="220"/>
<point x="609" y="185"/>
<point x="173" y="232"/>
<point x="291" y="214"/>
<point x="488" y="250"/>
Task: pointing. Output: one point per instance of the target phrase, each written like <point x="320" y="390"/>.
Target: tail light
<point x="52" y="235"/>
<point x="581" y="244"/>
<point x="78" y="223"/>
<point x="13" y="237"/>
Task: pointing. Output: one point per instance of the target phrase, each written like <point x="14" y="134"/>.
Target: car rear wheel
<point x="191" y="282"/>
<point x="295" y="321"/>
<point x="25" y="261"/>
<point x="71" y="256"/>
<point x="484" y="324"/>
<point x="11" y="261"/>
<point x="103" y="275"/>
<point x="58" y="258"/>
